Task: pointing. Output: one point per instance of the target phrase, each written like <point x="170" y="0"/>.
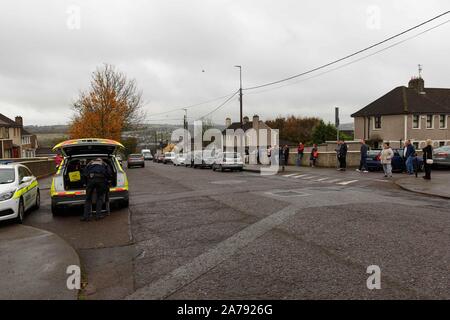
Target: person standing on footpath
<point x="300" y="152"/>
<point x="408" y="155"/>
<point x="386" y="159"/>
<point x="363" y="158"/>
<point x="427" y="159"/>
<point x="314" y="156"/>
<point x="342" y="156"/>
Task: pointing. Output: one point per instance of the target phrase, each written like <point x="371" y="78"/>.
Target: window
<point x="443" y="121"/>
<point x="416" y="121"/>
<point x="441" y="143"/>
<point x="430" y="124"/>
<point x="416" y="145"/>
<point x="377" y="122"/>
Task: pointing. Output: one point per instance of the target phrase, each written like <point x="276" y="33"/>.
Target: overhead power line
<point x="348" y="56"/>
<point x="351" y="62"/>
<point x="220" y="105"/>
<point x="189" y="106"/>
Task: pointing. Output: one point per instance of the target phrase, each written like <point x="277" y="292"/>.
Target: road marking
<point x="184" y="275"/>
<point x="322" y="179"/>
<point x="307" y="178"/>
<point x="333" y="181"/>
<point x="347" y="182"/>
<point x="289" y="175"/>
<point x="299" y="176"/>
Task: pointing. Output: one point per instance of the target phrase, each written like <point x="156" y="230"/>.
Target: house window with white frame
<point x="377" y="122"/>
<point x="443" y="121"/>
<point x="430" y="122"/>
<point x="416" y="121"/>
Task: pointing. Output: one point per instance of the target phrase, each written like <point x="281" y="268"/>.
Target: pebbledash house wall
<point x="398" y="128"/>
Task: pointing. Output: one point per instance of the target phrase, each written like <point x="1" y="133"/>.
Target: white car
<point x="180" y="159"/>
<point x="228" y="160"/>
<point x="147" y="154"/>
<point x="169" y="157"/>
<point x="19" y="191"/>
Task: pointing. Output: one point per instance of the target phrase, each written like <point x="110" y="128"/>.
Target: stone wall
<point x="40" y="167"/>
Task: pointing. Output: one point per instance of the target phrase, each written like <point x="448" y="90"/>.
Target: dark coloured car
<point x="398" y="164"/>
<point x="135" y="160"/>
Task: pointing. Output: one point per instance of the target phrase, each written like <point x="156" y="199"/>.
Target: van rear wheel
<point x="56" y="210"/>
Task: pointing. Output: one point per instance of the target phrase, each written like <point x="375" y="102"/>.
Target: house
<point x="414" y="112"/>
<point x="15" y="141"/>
<point x="256" y="124"/>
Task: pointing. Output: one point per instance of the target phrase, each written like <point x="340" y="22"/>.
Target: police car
<point x="19" y="191"/>
<point x="68" y="185"/>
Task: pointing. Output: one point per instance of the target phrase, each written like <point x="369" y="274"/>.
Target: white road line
<point x="347" y="182"/>
<point x="300" y="176"/>
<point x="186" y="274"/>
<point x="333" y="181"/>
<point x="289" y="175"/>
<point x="307" y="178"/>
<point x="322" y="179"/>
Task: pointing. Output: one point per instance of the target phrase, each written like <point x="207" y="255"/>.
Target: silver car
<point x="441" y="156"/>
<point x="228" y="160"/>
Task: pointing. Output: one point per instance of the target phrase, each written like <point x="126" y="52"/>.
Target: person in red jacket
<point x="58" y="160"/>
<point x="300" y="152"/>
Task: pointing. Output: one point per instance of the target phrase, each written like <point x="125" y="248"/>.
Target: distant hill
<point x="48" y="129"/>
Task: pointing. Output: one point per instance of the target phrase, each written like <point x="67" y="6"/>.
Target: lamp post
<point x="240" y="91"/>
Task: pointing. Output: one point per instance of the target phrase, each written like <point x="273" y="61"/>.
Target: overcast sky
<point x="183" y="52"/>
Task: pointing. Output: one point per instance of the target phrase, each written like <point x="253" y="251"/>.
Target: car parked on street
<point x="202" y="159"/>
<point x="228" y="161"/>
<point x="147" y="154"/>
<point x="441" y="156"/>
<point x="19" y="191"/>
<point x="398" y="164"/>
<point x="69" y="186"/>
<point x="159" y="157"/>
<point x="180" y="159"/>
<point x="169" y="157"/>
<point x="135" y="160"/>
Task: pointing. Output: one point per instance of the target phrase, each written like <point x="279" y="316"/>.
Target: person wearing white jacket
<point x="386" y="159"/>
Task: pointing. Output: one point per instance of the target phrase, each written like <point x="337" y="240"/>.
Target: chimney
<point x="256" y="122"/>
<point x="245" y="120"/>
<point x="19" y="120"/>
<point x="227" y="122"/>
<point x="418" y="84"/>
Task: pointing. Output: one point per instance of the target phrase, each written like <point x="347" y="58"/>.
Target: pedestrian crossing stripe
<point x="300" y="176"/>
<point x="322" y="179"/>
<point x="347" y="182"/>
<point x="289" y="175"/>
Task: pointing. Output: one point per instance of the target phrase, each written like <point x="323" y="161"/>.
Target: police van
<point x="69" y="186"/>
<point x="19" y="191"/>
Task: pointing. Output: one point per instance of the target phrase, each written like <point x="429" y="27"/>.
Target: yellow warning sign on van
<point x="74" y="176"/>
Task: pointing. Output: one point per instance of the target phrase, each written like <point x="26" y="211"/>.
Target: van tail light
<point x="442" y="154"/>
<point x="378" y="158"/>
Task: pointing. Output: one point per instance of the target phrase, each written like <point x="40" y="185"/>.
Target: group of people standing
<point x="409" y="157"/>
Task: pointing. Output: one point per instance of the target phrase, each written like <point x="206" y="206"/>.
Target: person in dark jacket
<point x="97" y="175"/>
<point x="281" y="157"/>
<point x="300" y="152"/>
<point x="363" y="159"/>
<point x="286" y="155"/>
<point x="342" y="155"/>
<point x="427" y="159"/>
<point x="408" y="156"/>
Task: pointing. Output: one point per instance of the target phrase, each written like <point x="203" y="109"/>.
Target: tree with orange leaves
<point x="111" y="105"/>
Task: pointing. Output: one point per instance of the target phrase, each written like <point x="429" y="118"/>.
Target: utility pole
<point x="240" y="91"/>
<point x="185" y="126"/>
<point x="336" y="122"/>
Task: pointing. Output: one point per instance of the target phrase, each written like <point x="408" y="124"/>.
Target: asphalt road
<point x="201" y="234"/>
<point x="198" y="234"/>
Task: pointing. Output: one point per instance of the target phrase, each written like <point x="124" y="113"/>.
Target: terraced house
<point x="15" y="141"/>
<point x="414" y="112"/>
